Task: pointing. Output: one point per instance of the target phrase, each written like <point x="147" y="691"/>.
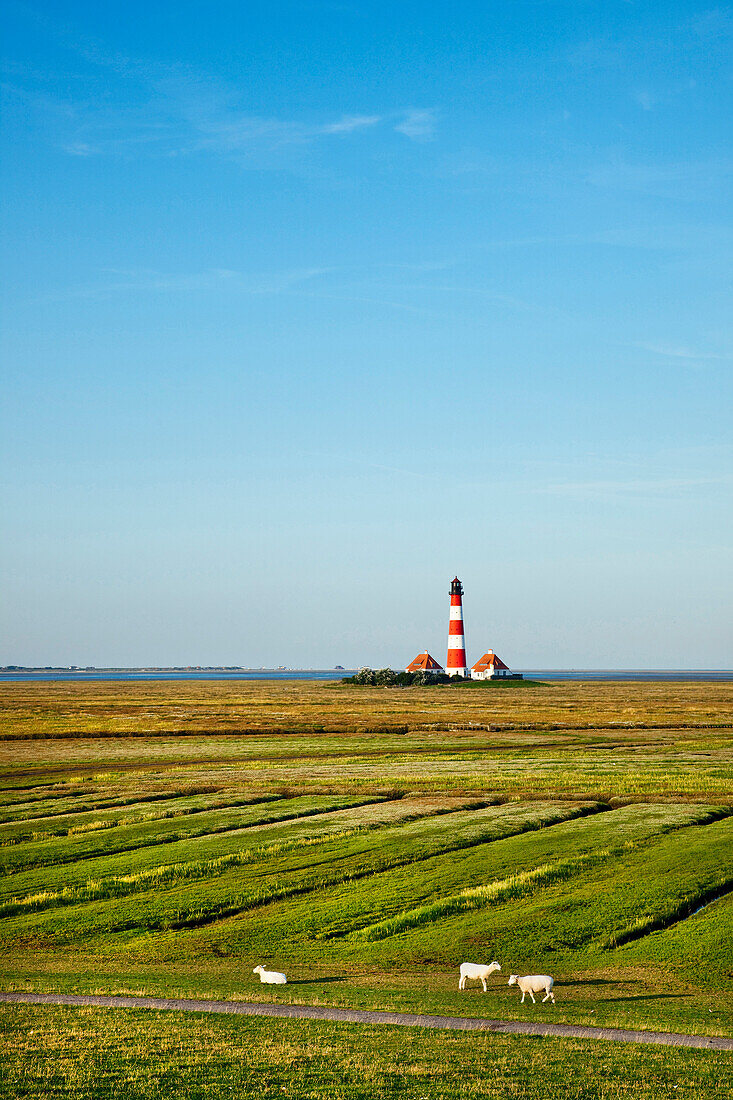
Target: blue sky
<point x="313" y="305"/>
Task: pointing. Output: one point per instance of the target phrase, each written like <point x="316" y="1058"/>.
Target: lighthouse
<point x="456" y="663"/>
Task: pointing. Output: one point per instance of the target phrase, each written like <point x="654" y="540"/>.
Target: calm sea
<point x="718" y="675"/>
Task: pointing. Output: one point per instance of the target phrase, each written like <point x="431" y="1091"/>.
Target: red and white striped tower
<point x="456" y="663"/>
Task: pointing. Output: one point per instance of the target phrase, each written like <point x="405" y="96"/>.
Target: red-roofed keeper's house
<point x="490" y="666"/>
<point x="424" y="663"/>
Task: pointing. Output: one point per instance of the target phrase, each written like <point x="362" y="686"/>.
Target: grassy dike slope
<point x="165" y="838"/>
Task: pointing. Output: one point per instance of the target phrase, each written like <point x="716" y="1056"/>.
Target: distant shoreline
<point x="17" y="673"/>
<point x="192" y="669"/>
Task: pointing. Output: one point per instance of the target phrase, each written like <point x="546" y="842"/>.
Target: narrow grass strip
<point x="563" y="727"/>
<point x="218" y="901"/>
<point x="19" y="811"/>
<point x="491" y="893"/>
<point x="12" y="833"/>
<point x="238" y="730"/>
<point x="669" y="914"/>
<point x="119" y="886"/>
<point x="520" y="885"/>
<point x="16" y="858"/>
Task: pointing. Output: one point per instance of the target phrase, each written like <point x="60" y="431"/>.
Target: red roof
<point x="489" y="660"/>
<point x="425" y="662"/>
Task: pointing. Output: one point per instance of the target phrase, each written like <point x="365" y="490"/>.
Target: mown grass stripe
<point x="419" y="816"/>
<point x="184" y="909"/>
<point x="491" y="893"/>
<point x="171" y="875"/>
<point x="671" y="913"/>
<point x="12" y="833"/>
<point x="513" y="887"/>
<point x="16" y="811"/>
<point x="118" y="886"/>
<point x="59" y="855"/>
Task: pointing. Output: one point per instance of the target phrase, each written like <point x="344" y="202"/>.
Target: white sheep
<point x="534" y="983"/>
<point x="270" y="977"/>
<point x="478" y="971"/>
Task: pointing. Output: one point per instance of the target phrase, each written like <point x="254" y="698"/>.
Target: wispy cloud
<point x="689" y="179"/>
<point x="713" y="25"/>
<point x="349" y="123"/>
<point x="682" y="351"/>
<point x="140" y="281"/>
<point x="633" y="486"/>
<point x="230" y="131"/>
<point x="79" y="149"/>
<point x="172" y="110"/>
<point x="645" y="99"/>
<point x="419" y="125"/>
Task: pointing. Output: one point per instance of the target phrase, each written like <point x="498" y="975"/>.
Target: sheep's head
<point x="494" y="966"/>
<point x="257" y="970"/>
<point x="513" y="979"/>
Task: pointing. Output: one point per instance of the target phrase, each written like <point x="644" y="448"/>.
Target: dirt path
<point x="359" y="1016"/>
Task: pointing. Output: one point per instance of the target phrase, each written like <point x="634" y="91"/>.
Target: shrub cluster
<point x="387" y="677"/>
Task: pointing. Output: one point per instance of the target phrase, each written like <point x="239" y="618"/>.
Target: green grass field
<point x="165" y="838"/>
<point x="94" y="1053"/>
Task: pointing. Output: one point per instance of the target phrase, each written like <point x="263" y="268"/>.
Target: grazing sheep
<point x="270" y="977"/>
<point x="534" y="983"/>
<point x="478" y="971"/>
